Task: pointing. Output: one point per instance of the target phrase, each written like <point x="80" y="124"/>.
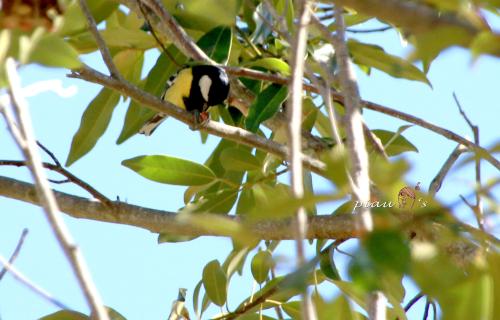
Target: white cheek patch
<point x="205" y="83"/>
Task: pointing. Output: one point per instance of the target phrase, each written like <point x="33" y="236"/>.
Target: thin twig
<point x="381" y="29"/>
<point x="439" y="178"/>
<point x="426" y="309"/>
<point x="14" y="255"/>
<point x="49" y="153"/>
<point x="413" y="301"/>
<point x="153" y="32"/>
<point x="106" y="55"/>
<point x="28" y="283"/>
<point x="478" y="208"/>
<point x="47" y="198"/>
<point x="70" y="178"/>
<point x="338" y="97"/>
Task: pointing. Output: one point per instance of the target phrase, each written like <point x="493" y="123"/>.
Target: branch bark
<point x="158" y="221"/>
<point x="27" y="145"/>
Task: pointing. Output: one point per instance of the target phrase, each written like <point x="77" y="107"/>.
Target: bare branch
<point x="438" y="179"/>
<point x="478" y="208"/>
<point x="294" y="110"/>
<point x="28" y="283"/>
<point x="14" y="255"/>
<point x="353" y="124"/>
<point x="216" y="128"/>
<point x="338" y="97"/>
<point x="45" y="194"/>
<point x="106" y="55"/>
<point x="70" y="178"/>
<point x="159" y="221"/>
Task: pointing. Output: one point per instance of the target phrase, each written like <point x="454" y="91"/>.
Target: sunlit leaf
<point x="239" y="159"/>
<point x="215" y="282"/>
<point x="375" y="56"/>
<point x="74" y="20"/>
<point x="267" y="103"/>
<point x="394" y="143"/>
<point x="388" y="250"/>
<point x="293" y="309"/>
<point x="96" y="118"/>
<point x="486" y="43"/>
<point x="261" y="264"/>
<point x="204" y="14"/>
<point x="170" y="170"/>
<point x="327" y="266"/>
<point x="51" y="50"/>
<point x="66" y="315"/>
<point x="271" y="64"/>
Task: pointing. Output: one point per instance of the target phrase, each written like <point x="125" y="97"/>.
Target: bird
<point x="193" y="89"/>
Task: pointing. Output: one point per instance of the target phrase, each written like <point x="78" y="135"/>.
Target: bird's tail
<point x="149" y="127"/>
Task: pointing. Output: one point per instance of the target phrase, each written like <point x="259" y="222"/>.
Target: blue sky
<point x="140" y="278"/>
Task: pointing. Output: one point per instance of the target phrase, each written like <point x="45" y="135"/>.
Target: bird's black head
<point x="213" y="83"/>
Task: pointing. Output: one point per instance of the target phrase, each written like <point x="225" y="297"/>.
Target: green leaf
<point x="388" y="250"/>
<point x="196" y="297"/>
<point x="293" y="309"/>
<point x="137" y="115"/>
<point x="327" y="266"/>
<point x="429" y="44"/>
<point x="215" y="282"/>
<point x="168" y="238"/>
<point x="394" y="143"/>
<point x="267" y="103"/>
<point x="96" y="118"/>
<point x="217" y="43"/>
<point x="339" y="308"/>
<point x="375" y="56"/>
<point x="94" y="122"/>
<point x="220" y="201"/>
<point x="170" y="170"/>
<point x="74" y="21"/>
<point x="486" y="42"/>
<point x="66" y="315"/>
<point x="239" y="159"/>
<point x="51" y="50"/>
<point x="271" y="64"/>
<point x="261" y="264"/>
<point x="204" y="14"/>
<point x="471" y="299"/>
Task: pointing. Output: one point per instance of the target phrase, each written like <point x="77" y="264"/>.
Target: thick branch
<point x="157" y="221"/>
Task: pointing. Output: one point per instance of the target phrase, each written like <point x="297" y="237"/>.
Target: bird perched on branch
<point x="194" y="89"/>
<point x="179" y="311"/>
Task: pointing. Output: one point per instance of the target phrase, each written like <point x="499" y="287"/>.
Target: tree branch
<point x="216" y="128"/>
<point x="338" y="97"/>
<point x="106" y="55"/>
<point x="439" y="178"/>
<point x="158" y="221"/>
<point x="45" y="195"/>
<point x="16" y="251"/>
<point x="70" y="178"/>
<point x="358" y="156"/>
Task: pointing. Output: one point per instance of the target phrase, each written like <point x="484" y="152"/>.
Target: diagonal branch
<point x="46" y="196"/>
<point x="106" y="55"/>
<point x="16" y="251"/>
<point x="216" y="128"/>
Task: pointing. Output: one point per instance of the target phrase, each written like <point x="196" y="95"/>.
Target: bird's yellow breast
<point x="180" y="88"/>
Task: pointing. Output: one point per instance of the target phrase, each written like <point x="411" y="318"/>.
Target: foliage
<point x="245" y="180"/>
